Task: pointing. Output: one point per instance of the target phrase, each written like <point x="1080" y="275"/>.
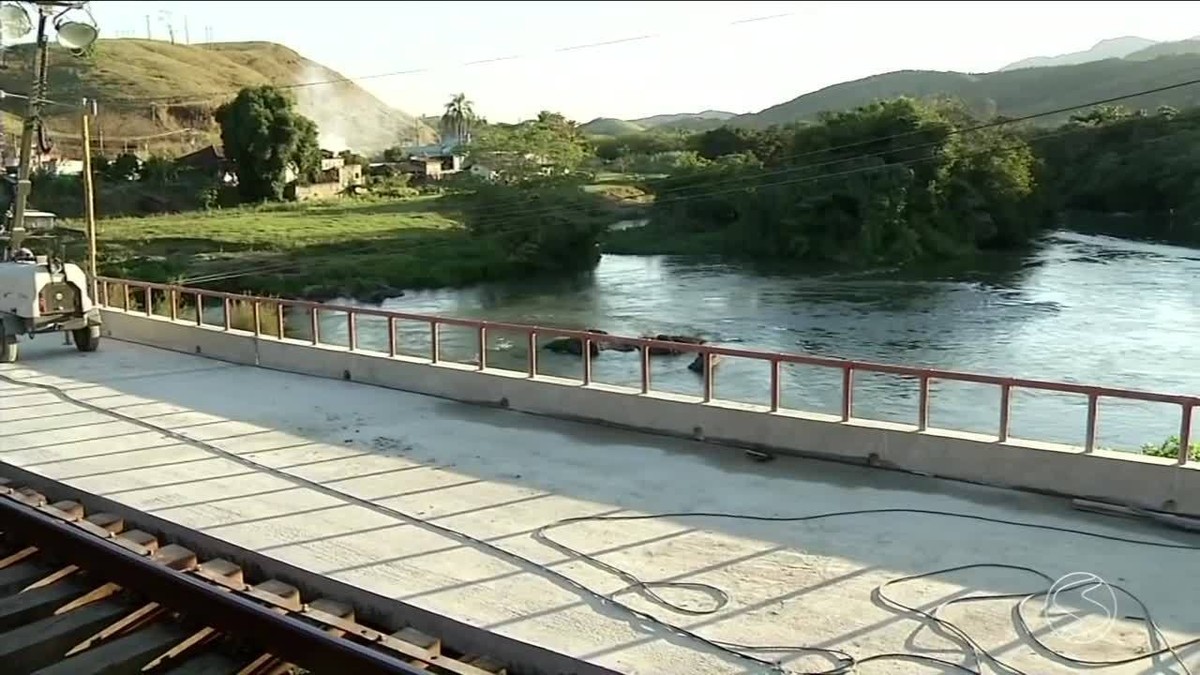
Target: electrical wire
<point x="500" y="217"/>
<point x="195" y="100"/>
<point x="995" y="124"/>
<point x="651" y="591"/>
<point x="754" y="179"/>
<point x="845" y="663"/>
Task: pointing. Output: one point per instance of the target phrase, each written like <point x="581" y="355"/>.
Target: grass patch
<point x="365" y="248"/>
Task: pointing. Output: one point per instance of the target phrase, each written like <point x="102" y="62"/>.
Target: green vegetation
<point x="264" y="137"/>
<point x="1170" y="449"/>
<point x="1136" y="163"/>
<point x="889" y="183"/>
<point x="549" y="144"/>
<point x="903" y="181"/>
<point x="894" y="181"/>
<point x="688" y="122"/>
<point x="897" y="182"/>
<point x="368" y="248"/>
<point x="157" y="186"/>
<point x="607" y="126"/>
<point x="459" y="117"/>
<point x="363" y="248"/>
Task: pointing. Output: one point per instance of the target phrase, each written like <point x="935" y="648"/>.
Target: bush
<point x="1170" y="449"/>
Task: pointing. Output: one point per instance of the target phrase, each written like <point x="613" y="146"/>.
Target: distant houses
<point x="210" y="160"/>
<point x="429" y="162"/>
<point x="334" y="178"/>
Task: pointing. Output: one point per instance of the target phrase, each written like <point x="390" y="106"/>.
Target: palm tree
<point x="458" y="117"/>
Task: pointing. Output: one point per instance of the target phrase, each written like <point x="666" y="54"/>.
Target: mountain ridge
<point x="1110" y="48"/>
<point x="1016" y="90"/>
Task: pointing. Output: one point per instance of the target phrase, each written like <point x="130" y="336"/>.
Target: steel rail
<point x="297" y="641"/>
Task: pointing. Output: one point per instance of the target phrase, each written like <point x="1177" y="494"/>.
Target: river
<point x="1078" y="308"/>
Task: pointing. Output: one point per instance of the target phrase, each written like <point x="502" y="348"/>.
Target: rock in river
<point x="671" y="351"/>
<point x="570" y="345"/>
<point x="697" y="364"/>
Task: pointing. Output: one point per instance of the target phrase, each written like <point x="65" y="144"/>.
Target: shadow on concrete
<point x="498" y="476"/>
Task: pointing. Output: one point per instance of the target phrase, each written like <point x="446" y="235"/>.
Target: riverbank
<point x="364" y="248"/>
<point x="666" y="239"/>
<point x="312" y="250"/>
<point x="367" y="248"/>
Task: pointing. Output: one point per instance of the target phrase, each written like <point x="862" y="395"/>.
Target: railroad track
<point x="85" y="593"/>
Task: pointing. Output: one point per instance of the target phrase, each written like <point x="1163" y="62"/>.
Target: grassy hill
<point x="163" y="95"/>
<point x="701" y="121"/>
<point x="1012" y="93"/>
<point x="608" y="126"/>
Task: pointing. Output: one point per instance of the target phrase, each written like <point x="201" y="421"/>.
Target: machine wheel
<point x="86" y="339"/>
<point x="8" y="347"/>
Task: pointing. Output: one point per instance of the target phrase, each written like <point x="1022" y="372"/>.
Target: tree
<point x="126" y="166"/>
<point x="394" y="154"/>
<point x="159" y="170"/>
<point x="522" y="150"/>
<point x="887" y="183"/>
<point x="458" y="117"/>
<point x="265" y="136"/>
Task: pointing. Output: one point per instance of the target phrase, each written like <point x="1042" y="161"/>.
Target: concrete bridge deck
<point x="330" y="475"/>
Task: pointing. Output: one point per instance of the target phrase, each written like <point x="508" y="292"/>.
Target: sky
<point x="694" y="55"/>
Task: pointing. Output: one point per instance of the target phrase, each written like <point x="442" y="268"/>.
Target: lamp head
<point x="14" y="22"/>
<point x="76" y="36"/>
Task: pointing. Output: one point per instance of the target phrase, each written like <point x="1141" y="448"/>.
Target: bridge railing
<point x="268" y="314"/>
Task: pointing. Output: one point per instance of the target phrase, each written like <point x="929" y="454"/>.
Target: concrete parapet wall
<point x="1123" y="478"/>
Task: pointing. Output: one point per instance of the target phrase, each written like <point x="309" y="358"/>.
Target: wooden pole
<point x="89" y="194"/>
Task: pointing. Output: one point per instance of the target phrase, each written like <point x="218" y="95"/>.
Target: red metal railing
<point x="173" y="295"/>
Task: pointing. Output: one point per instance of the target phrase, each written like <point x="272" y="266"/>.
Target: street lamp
<point x="74" y="34"/>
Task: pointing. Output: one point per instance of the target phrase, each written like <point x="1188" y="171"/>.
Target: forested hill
<point x="1011" y="93"/>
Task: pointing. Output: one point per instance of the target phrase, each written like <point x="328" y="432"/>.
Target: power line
<point x="754" y="180"/>
<point x="195" y="100"/>
<point x="497" y="219"/>
<point x="957" y="132"/>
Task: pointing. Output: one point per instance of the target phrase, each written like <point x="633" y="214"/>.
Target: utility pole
<point x="187" y="34"/>
<point x="169" y="19"/>
<point x="89" y="192"/>
<point x="149" y="35"/>
<point x="33" y="114"/>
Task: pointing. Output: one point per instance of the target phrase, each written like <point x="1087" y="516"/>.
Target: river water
<point x="1077" y="308"/>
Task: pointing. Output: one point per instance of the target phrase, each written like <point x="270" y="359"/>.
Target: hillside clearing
<point x="151" y="88"/>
